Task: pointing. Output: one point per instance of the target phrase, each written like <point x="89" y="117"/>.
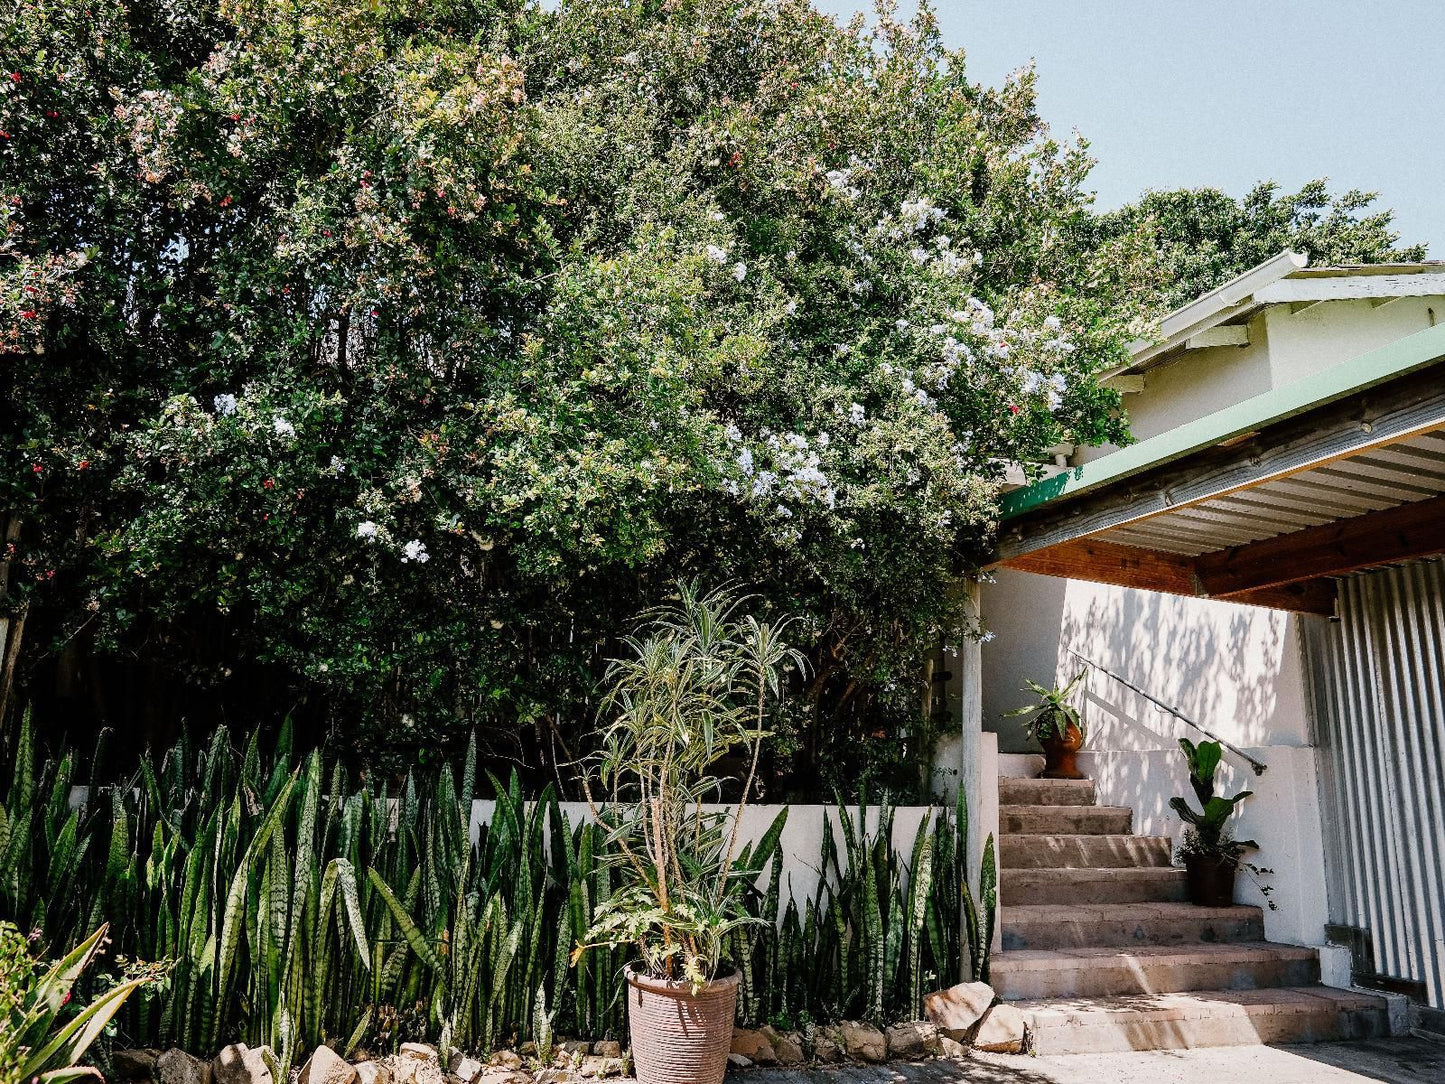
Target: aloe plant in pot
<point x="1057" y="726"/>
<point x="697" y="684"/>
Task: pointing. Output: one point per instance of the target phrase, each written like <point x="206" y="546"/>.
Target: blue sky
<point x="1223" y="93"/>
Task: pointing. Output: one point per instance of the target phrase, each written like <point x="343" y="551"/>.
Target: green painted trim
<point x="1394" y="360"/>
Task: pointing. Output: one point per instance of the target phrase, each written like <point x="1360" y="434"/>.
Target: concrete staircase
<point x="1102" y="951"/>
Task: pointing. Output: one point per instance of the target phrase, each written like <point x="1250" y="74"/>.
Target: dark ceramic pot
<point x="1211" y="880"/>
<point x="1061" y="754"/>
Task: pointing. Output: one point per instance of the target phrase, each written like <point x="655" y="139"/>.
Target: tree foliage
<point x="1204" y="237"/>
<point x="389" y="356"/>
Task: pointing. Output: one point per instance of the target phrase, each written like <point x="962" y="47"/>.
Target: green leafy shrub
<point x="388" y="352"/>
<point x="38" y="1039"/>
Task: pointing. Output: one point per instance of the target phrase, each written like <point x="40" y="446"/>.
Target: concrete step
<point x="1016" y="791"/>
<point x="1083" y="851"/>
<point x="1143" y="884"/>
<point x="1093" y="820"/>
<point x="1150" y="969"/>
<point x="1204" y="1018"/>
<point x="1126" y="925"/>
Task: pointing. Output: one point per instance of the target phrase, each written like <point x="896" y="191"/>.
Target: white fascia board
<point x="1219" y="305"/>
<point x="1350" y="287"/>
<point x="1205" y="311"/>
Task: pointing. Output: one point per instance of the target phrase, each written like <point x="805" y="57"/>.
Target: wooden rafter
<point x="1100" y="561"/>
<point x="1334" y="549"/>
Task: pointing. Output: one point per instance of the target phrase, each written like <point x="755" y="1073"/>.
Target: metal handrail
<point x="1259" y="767"/>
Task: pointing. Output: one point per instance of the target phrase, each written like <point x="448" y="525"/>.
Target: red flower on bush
<point x="36" y="468"/>
<point x="14" y="77"/>
<point x="82" y="464"/>
<point x="1013" y="408"/>
<point x="28" y="314"/>
<point x="269" y="483"/>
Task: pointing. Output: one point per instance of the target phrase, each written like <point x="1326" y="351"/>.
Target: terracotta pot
<point x="679" y="1037"/>
<point x="1061" y="754"/>
<point x="1211" y="880"/>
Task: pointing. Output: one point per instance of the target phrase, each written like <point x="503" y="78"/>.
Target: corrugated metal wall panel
<point x="1378" y="685"/>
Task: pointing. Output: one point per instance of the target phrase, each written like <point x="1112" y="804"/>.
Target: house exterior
<point x="1264" y="565"/>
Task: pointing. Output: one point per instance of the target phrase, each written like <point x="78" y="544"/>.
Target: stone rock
<point x="497" y="1075"/>
<point x="739" y="1061"/>
<point x="1002" y="1031"/>
<point x="576" y="1046"/>
<point x="753" y="1045"/>
<point x="789" y="1048"/>
<point x="913" y="1039"/>
<point x="372" y="1072"/>
<point x="607" y="1048"/>
<point x="826" y="1043"/>
<point x="134" y="1064"/>
<point x="240" y="1064"/>
<point x="864" y="1042"/>
<point x="957" y="1010"/>
<point x="507" y="1059"/>
<point x="594" y="1065"/>
<point x="552" y="1076"/>
<point x="178" y="1067"/>
<point x="951" y="1048"/>
<point x="466" y="1068"/>
<point x="326" y="1066"/>
<point x="528" y="1049"/>
<point x="416" y="1066"/>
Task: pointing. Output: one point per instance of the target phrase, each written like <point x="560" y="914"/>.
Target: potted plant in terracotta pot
<point x="697" y="684"/>
<point x="1211" y="856"/>
<point x="1057" y="726"/>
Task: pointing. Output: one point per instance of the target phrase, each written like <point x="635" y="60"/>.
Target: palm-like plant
<point x="1052" y="715"/>
<point x="696" y="686"/>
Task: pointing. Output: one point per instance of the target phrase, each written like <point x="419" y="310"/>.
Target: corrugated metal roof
<point x="1384" y="477"/>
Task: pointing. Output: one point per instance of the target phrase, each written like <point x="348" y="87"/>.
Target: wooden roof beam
<point x="1098" y="561"/>
<point x="1333" y="549"/>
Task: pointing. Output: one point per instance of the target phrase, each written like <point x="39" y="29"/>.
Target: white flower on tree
<point x="415" y="551"/>
<point x="283" y="427"/>
<point x="225" y="404"/>
<point x="366" y="530"/>
<point x="717" y="254"/>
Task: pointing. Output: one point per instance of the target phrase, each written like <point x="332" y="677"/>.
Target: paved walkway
<point x="1386" y="1061"/>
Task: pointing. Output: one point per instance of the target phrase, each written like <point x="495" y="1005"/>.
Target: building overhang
<point x="1221" y="317"/>
<point x="1264" y="502"/>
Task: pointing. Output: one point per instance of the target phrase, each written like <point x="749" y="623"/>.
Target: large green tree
<point x="1203" y="237"/>
<point x="379" y="360"/>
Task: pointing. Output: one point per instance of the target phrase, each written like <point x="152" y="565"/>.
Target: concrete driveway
<point x="1391" y="1061"/>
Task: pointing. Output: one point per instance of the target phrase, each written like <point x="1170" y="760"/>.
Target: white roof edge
<point x="1218" y="305"/>
<point x="1266" y="285"/>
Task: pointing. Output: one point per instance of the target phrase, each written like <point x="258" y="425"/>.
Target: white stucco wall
<point x="1284" y="347"/>
<point x="1234" y="669"/>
